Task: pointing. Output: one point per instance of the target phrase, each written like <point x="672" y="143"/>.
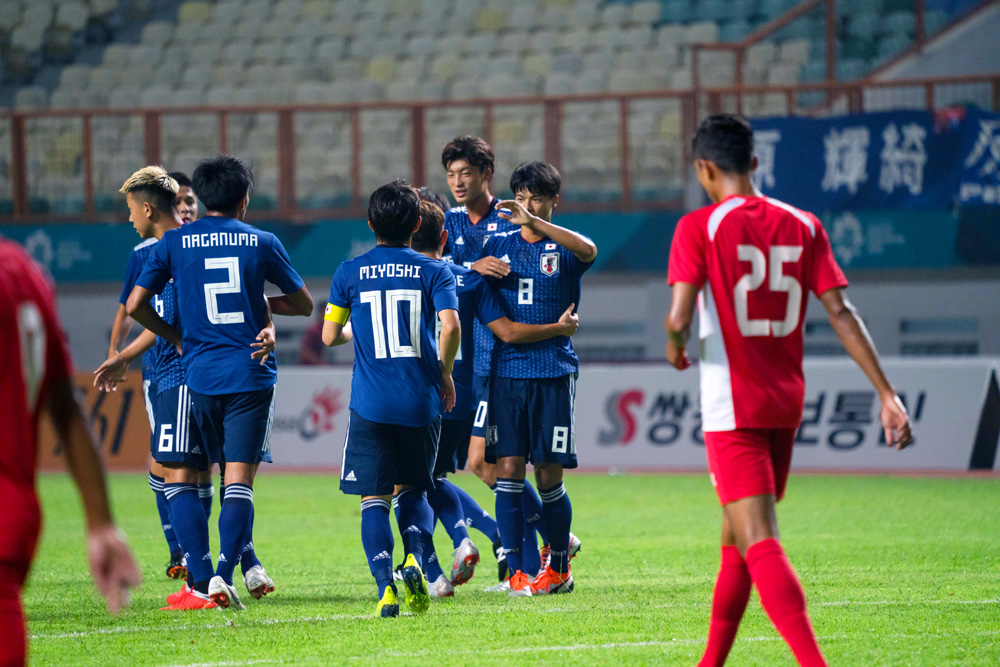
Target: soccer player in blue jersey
<point x="219" y="266"/>
<point x="394" y="298"/>
<point x="533" y="388"/>
<point x="476" y="302"/>
<point x="187" y="200"/>
<point x="469" y="164"/>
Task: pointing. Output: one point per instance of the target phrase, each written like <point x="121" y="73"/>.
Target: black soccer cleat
<point x="501" y="561"/>
<point x="176" y="569"/>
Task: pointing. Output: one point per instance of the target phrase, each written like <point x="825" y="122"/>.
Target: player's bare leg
<point x="751" y="525"/>
<point x="487" y="472"/>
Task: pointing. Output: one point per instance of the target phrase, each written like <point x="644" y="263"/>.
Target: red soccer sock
<point x="732" y="591"/>
<point x="782" y="598"/>
<point x="13" y="642"/>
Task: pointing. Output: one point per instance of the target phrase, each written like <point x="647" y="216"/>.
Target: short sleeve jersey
<point x="35" y="359"/>
<point x="755" y="260"/>
<point x="466" y="243"/>
<point x="476" y="305"/>
<point x="136" y="260"/>
<point x="392" y="296"/>
<point x="544" y="280"/>
<point x="219" y="267"/>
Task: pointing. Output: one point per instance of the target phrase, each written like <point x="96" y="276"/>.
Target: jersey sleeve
<point x="442" y="289"/>
<point x="688" y="260"/>
<point x="826" y="273"/>
<point x="338" y="306"/>
<point x="132" y="270"/>
<point x="488" y="308"/>
<point x="280" y="271"/>
<point x="575" y="264"/>
<point x="156" y="273"/>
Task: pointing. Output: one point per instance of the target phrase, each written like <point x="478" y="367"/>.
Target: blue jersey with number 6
<point x="219" y="266"/>
<point x="393" y="295"/>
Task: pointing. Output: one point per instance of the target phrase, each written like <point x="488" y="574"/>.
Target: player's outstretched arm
<point x="678" y="324"/>
<point x="519" y="332"/>
<point x="110" y="373"/>
<point x="335" y="333"/>
<point x="853" y="334"/>
<point x="120" y="329"/>
<point x="451" y="339"/>
<point x="490" y="266"/>
<point x="111" y="563"/>
<point x="298" y="303"/>
<point x="142" y="311"/>
<point x="578" y="244"/>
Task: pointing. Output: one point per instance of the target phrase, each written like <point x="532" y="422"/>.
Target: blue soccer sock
<point x="376" y="538"/>
<point x="163" y="507"/>
<point x="416" y="519"/>
<point x="475" y="516"/>
<point x="432" y="568"/>
<point x="558" y="517"/>
<point x="510" y="520"/>
<point x="533" y="511"/>
<point x="531" y="559"/>
<point x="448" y="509"/>
<point x="248" y="558"/>
<point x="206" y="492"/>
<point x="191" y="528"/>
<point x="235" y="528"/>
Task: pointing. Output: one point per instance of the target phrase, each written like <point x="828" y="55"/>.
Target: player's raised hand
<point x="491" y="266"/>
<point x="447" y="392"/>
<point x="678" y="357"/>
<point x="518" y="214"/>
<point x="110" y="373"/>
<point x="265" y="344"/>
<point x="570" y="320"/>
<point x="896" y="423"/>
<point x="112" y="566"/>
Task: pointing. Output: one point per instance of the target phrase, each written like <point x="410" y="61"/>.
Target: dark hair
<point x="393" y="210"/>
<point x="727" y="140"/>
<point x="428" y="237"/>
<point x="181" y="178"/>
<point x="221" y="182"/>
<point x="472" y="149"/>
<point x="538" y="178"/>
<point x="426" y="194"/>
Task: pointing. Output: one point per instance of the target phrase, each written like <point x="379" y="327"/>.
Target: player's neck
<point x="161" y="228"/>
<point x="530" y="235"/>
<point x="222" y="214"/>
<point x="433" y="254"/>
<point x="735" y="186"/>
<point x="479" y="207"/>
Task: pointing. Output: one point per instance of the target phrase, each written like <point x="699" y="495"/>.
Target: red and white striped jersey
<point x="755" y="260"/>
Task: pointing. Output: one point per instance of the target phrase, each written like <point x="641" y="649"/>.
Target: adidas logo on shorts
<point x="350" y="477"/>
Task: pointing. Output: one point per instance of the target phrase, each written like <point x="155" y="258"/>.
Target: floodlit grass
<point x="897" y="571"/>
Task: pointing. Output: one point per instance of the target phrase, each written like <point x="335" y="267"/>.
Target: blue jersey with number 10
<point x="219" y="267"/>
<point x="393" y="295"/>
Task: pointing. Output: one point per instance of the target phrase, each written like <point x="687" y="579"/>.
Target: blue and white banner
<point x="893" y="160"/>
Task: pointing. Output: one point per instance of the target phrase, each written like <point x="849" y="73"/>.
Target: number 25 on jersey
<point x="777" y="282"/>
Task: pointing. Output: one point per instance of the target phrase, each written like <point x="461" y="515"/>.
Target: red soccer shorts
<point x="749" y="461"/>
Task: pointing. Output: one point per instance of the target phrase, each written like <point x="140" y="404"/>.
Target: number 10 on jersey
<point x="394" y="299"/>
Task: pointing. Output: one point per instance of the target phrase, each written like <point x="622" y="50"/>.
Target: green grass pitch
<point x="897" y="571"/>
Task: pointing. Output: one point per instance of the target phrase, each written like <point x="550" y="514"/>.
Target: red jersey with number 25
<point x="755" y="260"/>
<point x="34" y="357"/>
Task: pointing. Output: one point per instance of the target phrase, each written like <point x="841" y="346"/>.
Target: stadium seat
<point x="900" y="24"/>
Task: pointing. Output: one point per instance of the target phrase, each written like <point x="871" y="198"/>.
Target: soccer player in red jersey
<point x="34" y="378"/>
<point x="749" y="263"/>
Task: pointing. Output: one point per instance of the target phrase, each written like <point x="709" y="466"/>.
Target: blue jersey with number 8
<point x="219" y="266"/>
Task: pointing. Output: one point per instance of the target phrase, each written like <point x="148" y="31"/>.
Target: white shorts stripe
<point x="149" y="406"/>
<point x="343" y="459"/>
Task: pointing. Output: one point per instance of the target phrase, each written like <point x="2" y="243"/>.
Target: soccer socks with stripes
<point x="206" y="492"/>
<point x="558" y="513"/>
<point x="416" y="519"/>
<point x="191" y="528"/>
<point x="729" y="601"/>
<point x="163" y="507"/>
<point x="248" y="558"/>
<point x="782" y="598"/>
<point x="533" y="513"/>
<point x="235" y="528"/>
<point x="448" y="509"/>
<point x="432" y="568"/>
<point x="376" y="538"/>
<point x="475" y="516"/>
<point x="510" y="520"/>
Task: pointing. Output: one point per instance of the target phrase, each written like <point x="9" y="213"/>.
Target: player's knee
<point x="548" y="475"/>
<point x="510" y="467"/>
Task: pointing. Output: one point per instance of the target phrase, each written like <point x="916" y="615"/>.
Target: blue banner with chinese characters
<point x="907" y="160"/>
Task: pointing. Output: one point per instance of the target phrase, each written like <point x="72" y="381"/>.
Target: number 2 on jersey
<point x="231" y="286"/>
<point x="393" y="299"/>
<point x="779" y="282"/>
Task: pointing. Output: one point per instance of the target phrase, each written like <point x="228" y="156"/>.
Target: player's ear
<point x="555" y="201"/>
<point x="148" y="210"/>
<point x="370" y="226"/>
<point x="417" y="226"/>
<point x="444" y="238"/>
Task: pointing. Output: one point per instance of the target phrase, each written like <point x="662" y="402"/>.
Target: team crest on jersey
<point x="491" y="227"/>
<point x="550" y="263"/>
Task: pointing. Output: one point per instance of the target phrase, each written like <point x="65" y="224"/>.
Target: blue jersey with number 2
<point x="219" y="266"/>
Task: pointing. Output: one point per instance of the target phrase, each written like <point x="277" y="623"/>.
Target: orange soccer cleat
<point x="191" y="600"/>
<point x="174" y="598"/>
<point x="520" y="585"/>
<point x="550" y="582"/>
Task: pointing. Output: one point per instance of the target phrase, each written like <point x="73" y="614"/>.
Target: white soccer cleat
<point x="574" y="545"/>
<point x="223" y="594"/>
<point x="441" y="588"/>
<point x="502" y="587"/>
<point x="257" y="582"/>
<point x="464" y="565"/>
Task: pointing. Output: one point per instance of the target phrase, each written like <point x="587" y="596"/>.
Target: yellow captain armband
<point x="336" y="314"/>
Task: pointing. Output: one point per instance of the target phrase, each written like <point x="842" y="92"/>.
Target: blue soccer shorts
<point x="481" y="396"/>
<point x="173" y="441"/>
<point x="235" y="428"/>
<point x="453" y="446"/>
<point x="532" y="419"/>
<point x="379" y="456"/>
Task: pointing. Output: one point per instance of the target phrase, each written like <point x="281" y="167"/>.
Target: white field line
<point x="566" y="648"/>
<point x="227" y="622"/>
